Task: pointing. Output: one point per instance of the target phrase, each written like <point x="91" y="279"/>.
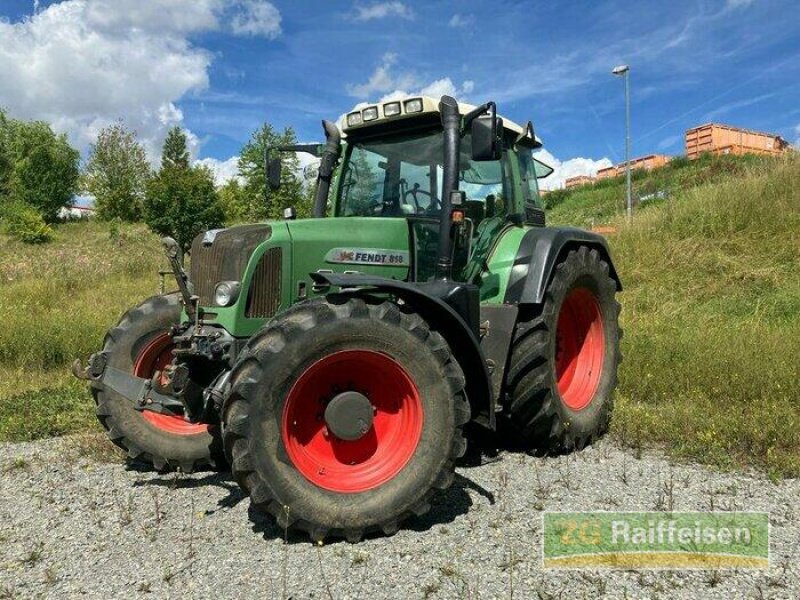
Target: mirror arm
<point x="312" y="149"/>
<point x="489" y="107"/>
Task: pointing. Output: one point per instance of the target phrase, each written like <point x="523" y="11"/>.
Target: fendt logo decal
<point x="368" y="256"/>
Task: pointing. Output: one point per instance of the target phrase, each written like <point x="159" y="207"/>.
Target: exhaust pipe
<point x="327" y="165"/>
<point x="451" y="122"/>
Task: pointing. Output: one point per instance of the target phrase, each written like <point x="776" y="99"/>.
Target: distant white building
<point x="74" y="213"/>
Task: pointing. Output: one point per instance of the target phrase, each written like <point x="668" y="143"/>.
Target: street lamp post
<point x="624" y="71"/>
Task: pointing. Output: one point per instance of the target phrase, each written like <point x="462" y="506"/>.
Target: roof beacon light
<point x="414" y="105"/>
<point x="354" y="119"/>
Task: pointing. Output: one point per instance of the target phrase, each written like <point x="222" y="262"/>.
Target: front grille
<point x="264" y="296"/>
<point x="224" y="259"/>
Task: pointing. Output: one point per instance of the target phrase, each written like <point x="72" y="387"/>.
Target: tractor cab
<point x="390" y="163"/>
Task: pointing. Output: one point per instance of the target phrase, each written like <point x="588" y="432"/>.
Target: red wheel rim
<point x="580" y="348"/>
<point x="363" y="464"/>
<point x="155" y="356"/>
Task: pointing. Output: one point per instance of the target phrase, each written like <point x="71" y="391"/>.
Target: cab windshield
<point x="401" y="175"/>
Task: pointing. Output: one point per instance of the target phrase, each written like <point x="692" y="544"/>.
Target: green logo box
<point x="655" y="540"/>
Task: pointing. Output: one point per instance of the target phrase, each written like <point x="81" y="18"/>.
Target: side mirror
<point x="486" y="140"/>
<point x="274" y="173"/>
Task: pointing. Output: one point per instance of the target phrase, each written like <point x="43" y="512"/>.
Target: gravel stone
<point x="73" y="528"/>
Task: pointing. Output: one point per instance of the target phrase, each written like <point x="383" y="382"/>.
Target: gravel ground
<point x="72" y="527"/>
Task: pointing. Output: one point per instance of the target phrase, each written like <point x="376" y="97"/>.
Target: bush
<point x="37" y="167"/>
<point x="25" y="223"/>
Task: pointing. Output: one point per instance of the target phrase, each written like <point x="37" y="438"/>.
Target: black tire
<point x="534" y="405"/>
<point x="127" y="427"/>
<point x="261" y="383"/>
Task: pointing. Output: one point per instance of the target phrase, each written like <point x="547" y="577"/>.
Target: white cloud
<point x="223" y="170"/>
<point x="177" y="16"/>
<point x="797" y="133"/>
<point x="738" y="3"/>
<point x="459" y="20"/>
<point x="394" y="86"/>
<point x="84" y="64"/>
<point x="435" y="89"/>
<point x="257" y="18"/>
<point x="382" y="10"/>
<point x="382" y="80"/>
<point x="669" y="142"/>
<point x="562" y="170"/>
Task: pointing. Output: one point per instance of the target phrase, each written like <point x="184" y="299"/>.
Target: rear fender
<point x="539" y="252"/>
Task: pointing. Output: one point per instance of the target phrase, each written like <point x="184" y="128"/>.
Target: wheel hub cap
<point x="349" y="416"/>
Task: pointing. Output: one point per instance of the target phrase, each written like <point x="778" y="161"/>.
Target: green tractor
<point x="334" y="362"/>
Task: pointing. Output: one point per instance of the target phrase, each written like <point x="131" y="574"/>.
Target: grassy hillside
<point x="602" y="202"/>
<point x="711" y="312"/>
<point x="56" y="302"/>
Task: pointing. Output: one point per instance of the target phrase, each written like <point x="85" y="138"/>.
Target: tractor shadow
<point x="445" y="508"/>
<point x="176" y="481"/>
<point x="484" y="447"/>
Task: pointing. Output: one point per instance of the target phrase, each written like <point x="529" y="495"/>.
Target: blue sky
<point x="233" y="64"/>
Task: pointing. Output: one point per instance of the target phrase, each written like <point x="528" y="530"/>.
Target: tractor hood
<point x="373" y="245"/>
<point x="272" y="261"/>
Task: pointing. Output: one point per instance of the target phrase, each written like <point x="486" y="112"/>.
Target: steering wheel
<point x="413" y="193"/>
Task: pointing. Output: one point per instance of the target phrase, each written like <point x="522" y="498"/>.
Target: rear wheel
<point x="563" y="365"/>
<point x="141" y="345"/>
<point x="344" y="417"/>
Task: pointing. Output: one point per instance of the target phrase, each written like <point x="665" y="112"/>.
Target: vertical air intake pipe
<point x="451" y="122"/>
<point x="327" y="165"/>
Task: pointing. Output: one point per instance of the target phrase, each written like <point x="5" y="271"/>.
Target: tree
<point x="360" y="182"/>
<point x="176" y="153"/>
<point x="233" y="201"/>
<point x="181" y="201"/>
<point x="37" y="167"/>
<point x="117" y="174"/>
<point x="5" y="157"/>
<point x="257" y="202"/>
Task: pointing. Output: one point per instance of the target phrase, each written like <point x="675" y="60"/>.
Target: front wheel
<point x="564" y="357"/>
<point x="344" y="417"/>
<point x="141" y="345"/>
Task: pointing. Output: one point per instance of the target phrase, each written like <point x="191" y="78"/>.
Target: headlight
<point x="354" y="119"/>
<point x="370" y="114"/>
<point x="413" y="106"/>
<point x="226" y="293"/>
<point x="391" y="109"/>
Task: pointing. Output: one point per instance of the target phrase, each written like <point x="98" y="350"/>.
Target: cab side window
<point x="530" y="185"/>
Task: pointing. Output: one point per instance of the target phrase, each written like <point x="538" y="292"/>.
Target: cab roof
<point x="365" y="116"/>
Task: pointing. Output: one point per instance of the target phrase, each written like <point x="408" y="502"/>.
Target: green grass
<point x="711" y="312"/>
<point x="600" y="203"/>
<point x="56" y="302"/>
